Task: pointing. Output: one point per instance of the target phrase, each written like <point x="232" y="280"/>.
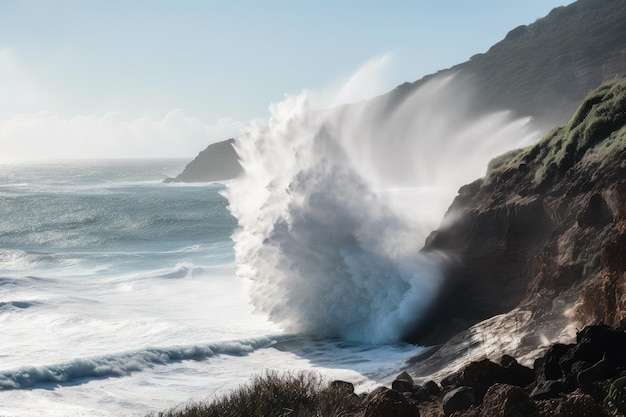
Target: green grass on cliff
<point x="273" y="394"/>
<point x="597" y="128"/>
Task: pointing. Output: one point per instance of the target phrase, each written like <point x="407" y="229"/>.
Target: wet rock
<point x="480" y="376"/>
<point x="516" y="374"/>
<point x="403" y="383"/>
<point x="420" y="394"/>
<point x="458" y="399"/>
<point x="548" y="367"/>
<point x="451" y="380"/>
<point x="507" y="401"/>
<point x="432" y="388"/>
<point x="507" y="360"/>
<point x="548" y="389"/>
<point x="579" y="405"/>
<point x="384" y="402"/>
<point x="594" y="343"/>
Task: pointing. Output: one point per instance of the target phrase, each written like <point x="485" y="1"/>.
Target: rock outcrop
<point x="572" y="380"/>
<point x="545" y="231"/>
<point x="218" y="162"/>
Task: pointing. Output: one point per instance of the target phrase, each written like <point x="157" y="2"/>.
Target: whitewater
<point x="120" y="294"/>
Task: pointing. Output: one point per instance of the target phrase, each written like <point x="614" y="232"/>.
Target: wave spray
<point x="335" y="204"/>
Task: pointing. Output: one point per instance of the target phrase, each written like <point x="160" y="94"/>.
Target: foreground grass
<point x="275" y="394"/>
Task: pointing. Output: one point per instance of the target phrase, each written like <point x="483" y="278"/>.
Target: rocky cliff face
<point x="218" y="162"/>
<point x="543" y="235"/>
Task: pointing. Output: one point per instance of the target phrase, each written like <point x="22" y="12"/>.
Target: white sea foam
<point x="328" y="245"/>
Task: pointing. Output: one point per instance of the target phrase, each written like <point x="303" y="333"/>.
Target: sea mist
<point x="335" y="204"/>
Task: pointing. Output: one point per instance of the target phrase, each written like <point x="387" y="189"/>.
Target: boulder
<point x="343" y="387"/>
<point x="432" y="388"/>
<point x="403" y="383"/>
<point x="515" y="374"/>
<point x="480" y="376"/>
<point x="579" y="405"/>
<point x="451" y="380"/>
<point x="384" y="402"/>
<point x="593" y="343"/>
<point x="548" y="368"/>
<point x="458" y="399"/>
<point x="548" y="389"/>
<point x="507" y="401"/>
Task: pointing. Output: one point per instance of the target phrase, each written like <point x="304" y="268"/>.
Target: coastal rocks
<point x="507" y="401"/>
<point x="568" y="380"/>
<point x="458" y="399"/>
<point x="548" y="389"/>
<point x="403" y="383"/>
<point x="343" y="387"/>
<point x="384" y="402"/>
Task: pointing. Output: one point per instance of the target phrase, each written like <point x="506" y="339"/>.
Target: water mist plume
<point x="335" y="205"/>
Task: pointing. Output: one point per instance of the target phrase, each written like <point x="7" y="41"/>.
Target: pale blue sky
<point x="197" y="70"/>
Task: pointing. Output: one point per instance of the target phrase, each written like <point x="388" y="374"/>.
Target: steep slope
<point x="546" y="68"/>
<point x="217" y="162"/>
<point x="541" y="70"/>
<point x="545" y="231"/>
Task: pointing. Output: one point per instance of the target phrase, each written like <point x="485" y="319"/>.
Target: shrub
<point x="273" y="394"/>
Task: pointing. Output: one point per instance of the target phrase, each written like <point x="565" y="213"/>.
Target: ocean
<point x="119" y="295"/>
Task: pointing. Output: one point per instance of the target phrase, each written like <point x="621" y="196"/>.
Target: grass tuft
<point x="274" y="394"/>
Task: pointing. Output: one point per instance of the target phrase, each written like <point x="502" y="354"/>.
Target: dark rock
<point x="384" y="402"/>
<point x="507" y="401"/>
<point x="218" y="162"/>
<point x="507" y="360"/>
<point x="548" y="389"/>
<point x="451" y="380"/>
<point x="403" y="383"/>
<point x="605" y="368"/>
<point x="432" y="388"/>
<point x="579" y="405"/>
<point x="548" y="367"/>
<point x="342" y="387"/>
<point x="420" y="394"/>
<point x="458" y="399"/>
<point x="480" y="376"/>
<point x="593" y="343"/>
<point x="516" y="374"/>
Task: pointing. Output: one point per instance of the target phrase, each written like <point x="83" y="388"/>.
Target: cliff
<point x="218" y="162"/>
<point x="546" y="68"/>
<point x="542" y="236"/>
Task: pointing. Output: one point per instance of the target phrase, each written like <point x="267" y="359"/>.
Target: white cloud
<point x="45" y="135"/>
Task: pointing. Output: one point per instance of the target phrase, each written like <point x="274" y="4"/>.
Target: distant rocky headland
<point x="218" y="162"/>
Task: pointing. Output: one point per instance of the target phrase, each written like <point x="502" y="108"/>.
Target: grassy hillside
<point x="546" y="68"/>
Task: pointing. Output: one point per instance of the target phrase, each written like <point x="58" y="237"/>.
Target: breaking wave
<point x="335" y="205"/>
<point x="118" y="365"/>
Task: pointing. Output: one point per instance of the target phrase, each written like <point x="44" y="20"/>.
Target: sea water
<point x="119" y="296"/>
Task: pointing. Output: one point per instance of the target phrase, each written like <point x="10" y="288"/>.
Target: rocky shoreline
<point x="582" y="379"/>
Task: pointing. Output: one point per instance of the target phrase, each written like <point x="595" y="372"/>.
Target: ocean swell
<point x="122" y="364"/>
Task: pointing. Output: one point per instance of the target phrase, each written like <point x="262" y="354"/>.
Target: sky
<point x="161" y="78"/>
